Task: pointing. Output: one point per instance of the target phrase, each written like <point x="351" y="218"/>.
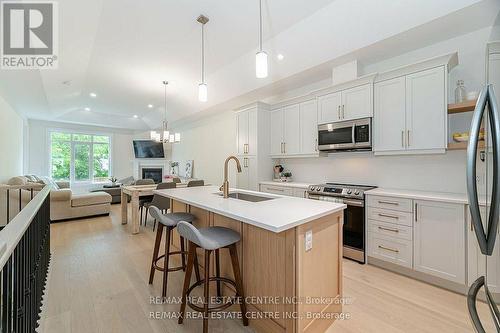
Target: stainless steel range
<point x="354" y="216"/>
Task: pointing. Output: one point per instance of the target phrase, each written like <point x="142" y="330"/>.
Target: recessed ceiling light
<point x="280" y="56"/>
<point x="93" y="95"/>
<point x="136" y="116"/>
<point x="150" y="106"/>
<point x="87" y="109"/>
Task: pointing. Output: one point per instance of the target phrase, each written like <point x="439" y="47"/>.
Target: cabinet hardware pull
<point x="388" y="203"/>
<point x="284" y="147"/>
<point x="389" y="216"/>
<point x="408" y="139"/>
<point x="339" y="112"/>
<point x="248" y="148"/>
<point x="402" y="139"/>
<point x="316" y="145"/>
<point x="276" y="189"/>
<point x="343" y="114"/>
<point x="388" y="249"/>
<point x="416" y="212"/>
<point x="388" y="229"/>
<point x="471" y="226"/>
<point x="281" y="147"/>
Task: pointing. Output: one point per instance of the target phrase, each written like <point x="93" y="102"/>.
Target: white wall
<point x="11" y="142"/>
<point x="38" y="155"/>
<point x="208" y="142"/>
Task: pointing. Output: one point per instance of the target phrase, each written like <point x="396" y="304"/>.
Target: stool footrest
<point x="173" y="269"/>
<point x="213" y="308"/>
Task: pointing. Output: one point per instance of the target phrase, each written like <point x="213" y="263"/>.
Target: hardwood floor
<point x="98" y="282"/>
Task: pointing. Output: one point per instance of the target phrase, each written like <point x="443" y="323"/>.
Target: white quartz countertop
<point x="286" y="184"/>
<point x="276" y="215"/>
<point x="459" y="198"/>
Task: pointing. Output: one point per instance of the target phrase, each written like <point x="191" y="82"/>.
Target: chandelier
<point x="164" y="135"/>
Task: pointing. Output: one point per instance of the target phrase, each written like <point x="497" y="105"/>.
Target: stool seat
<point x="211" y="238"/>
<point x="170" y="219"/>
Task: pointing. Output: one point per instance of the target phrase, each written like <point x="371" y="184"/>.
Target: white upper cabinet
<point x="410" y="113"/>
<point x="276" y="134"/>
<point x="439" y="246"/>
<point x="426" y="110"/>
<point x="348" y="104"/>
<point x="247" y="132"/>
<point x="329" y="108"/>
<point x="308" y="127"/>
<point x="294" y="130"/>
<point x="357" y="102"/>
<point x="291" y="129"/>
<point x="389" y="115"/>
<point x="417" y="95"/>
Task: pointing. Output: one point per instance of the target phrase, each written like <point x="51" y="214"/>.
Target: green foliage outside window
<point x="89" y="156"/>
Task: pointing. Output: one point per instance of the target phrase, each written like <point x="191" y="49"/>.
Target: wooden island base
<point x="296" y="290"/>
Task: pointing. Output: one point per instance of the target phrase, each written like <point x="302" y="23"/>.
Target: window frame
<point x="72" y="143"/>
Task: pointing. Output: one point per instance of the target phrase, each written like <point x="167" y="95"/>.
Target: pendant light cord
<point x="260" y="25"/>
<point x="165" y="118"/>
<point x="203" y="53"/>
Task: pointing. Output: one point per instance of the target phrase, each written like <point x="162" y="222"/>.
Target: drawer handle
<point x="389" y="216"/>
<point x="388" y="249"/>
<point x="388" y="229"/>
<point x="388" y="203"/>
<point x="276" y="189"/>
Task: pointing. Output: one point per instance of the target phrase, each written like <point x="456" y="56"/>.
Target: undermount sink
<point x="246" y="197"/>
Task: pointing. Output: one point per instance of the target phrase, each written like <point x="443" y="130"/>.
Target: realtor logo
<point x="29" y="35"/>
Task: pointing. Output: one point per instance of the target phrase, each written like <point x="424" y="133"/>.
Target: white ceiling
<point x="123" y="49"/>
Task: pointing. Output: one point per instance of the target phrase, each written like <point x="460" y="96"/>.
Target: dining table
<point x="135" y="192"/>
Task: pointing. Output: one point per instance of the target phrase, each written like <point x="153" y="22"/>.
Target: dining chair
<point x="145" y="199"/>
<point x="159" y="201"/>
<point x="199" y="182"/>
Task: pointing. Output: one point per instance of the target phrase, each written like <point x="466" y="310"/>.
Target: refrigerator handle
<point x="471" y="305"/>
<point x="471" y="170"/>
<point x="495" y="195"/>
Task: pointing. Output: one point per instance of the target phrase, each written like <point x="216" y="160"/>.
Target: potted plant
<point x="286" y="176"/>
<point x="113" y="180"/>
<point x="173" y="165"/>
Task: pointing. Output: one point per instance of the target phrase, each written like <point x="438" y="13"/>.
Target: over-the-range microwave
<point x="349" y="135"/>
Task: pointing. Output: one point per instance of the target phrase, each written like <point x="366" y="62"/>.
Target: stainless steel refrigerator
<point x="483" y="187"/>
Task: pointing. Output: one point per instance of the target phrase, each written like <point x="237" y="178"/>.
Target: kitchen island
<point x="290" y="285"/>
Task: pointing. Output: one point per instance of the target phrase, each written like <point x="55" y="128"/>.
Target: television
<point x="148" y="149"/>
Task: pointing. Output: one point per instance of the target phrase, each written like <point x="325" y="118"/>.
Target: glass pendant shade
<point x="166" y="134"/>
<point x="171" y="138"/>
<point x="261" y="65"/>
<point x="177" y="137"/>
<point x="202" y="92"/>
<point x="152" y="135"/>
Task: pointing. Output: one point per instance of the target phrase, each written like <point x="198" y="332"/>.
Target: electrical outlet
<point x="480" y="179"/>
<point x="309" y="240"/>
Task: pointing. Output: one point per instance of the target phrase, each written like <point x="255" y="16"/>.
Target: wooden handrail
<point x="12" y="233"/>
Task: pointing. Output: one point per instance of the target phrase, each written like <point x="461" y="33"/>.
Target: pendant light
<point x="202" y="87"/>
<point x="261" y="56"/>
<point x="165" y="136"/>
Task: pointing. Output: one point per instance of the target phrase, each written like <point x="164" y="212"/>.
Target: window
<point x="79" y="157"/>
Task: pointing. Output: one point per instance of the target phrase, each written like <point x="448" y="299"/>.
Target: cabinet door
<point x="426" y="110"/>
<point x="476" y="261"/>
<point x="439" y="233"/>
<point x="252" y="132"/>
<point x="253" y="181"/>
<point x="291" y="129"/>
<point x="357" y="102"/>
<point x="329" y="108"/>
<point x="242" y="136"/>
<point x="308" y="127"/>
<point x="389" y="115"/>
<point x="242" y="178"/>
<point x="276" y="135"/>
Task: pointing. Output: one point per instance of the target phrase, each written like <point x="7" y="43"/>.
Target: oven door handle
<point x="353" y="134"/>
<point x="354" y="203"/>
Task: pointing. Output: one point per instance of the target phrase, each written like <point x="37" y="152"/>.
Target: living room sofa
<point x="65" y="205"/>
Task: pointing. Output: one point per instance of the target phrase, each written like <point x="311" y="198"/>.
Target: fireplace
<point x="153" y="173"/>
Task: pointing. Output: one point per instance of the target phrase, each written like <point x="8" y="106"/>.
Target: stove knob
<point x="349" y="191"/>
<point x="356" y="192"/>
<point x="318" y="189"/>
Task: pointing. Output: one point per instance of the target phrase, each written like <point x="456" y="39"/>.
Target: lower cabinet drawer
<point x="392" y="203"/>
<point x="300" y="192"/>
<point x="277" y="190"/>
<point x="390" y="216"/>
<point x="397" y="251"/>
<point x="390" y="230"/>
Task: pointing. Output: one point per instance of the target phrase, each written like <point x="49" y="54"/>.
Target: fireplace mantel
<point x="140" y="163"/>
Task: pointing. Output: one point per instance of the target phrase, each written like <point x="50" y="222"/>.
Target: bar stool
<point x="168" y="221"/>
<point x="210" y="239"/>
